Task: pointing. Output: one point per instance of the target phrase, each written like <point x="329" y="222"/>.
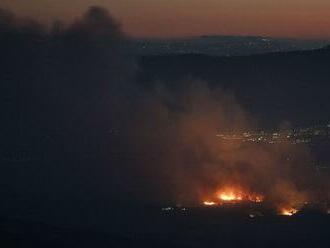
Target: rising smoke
<point x="70" y="99"/>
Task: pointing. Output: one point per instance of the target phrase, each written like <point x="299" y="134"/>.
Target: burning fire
<point x="209" y="203"/>
<point x="256" y="198"/>
<point x="233" y="195"/>
<point x="288" y="211"/>
<point x="230" y="196"/>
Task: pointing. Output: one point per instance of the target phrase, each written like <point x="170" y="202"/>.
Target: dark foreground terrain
<point x="209" y="227"/>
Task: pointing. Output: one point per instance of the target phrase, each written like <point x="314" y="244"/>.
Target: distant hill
<point x="217" y="45"/>
<point x="292" y="86"/>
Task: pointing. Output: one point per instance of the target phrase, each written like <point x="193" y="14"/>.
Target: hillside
<point x="293" y="86"/>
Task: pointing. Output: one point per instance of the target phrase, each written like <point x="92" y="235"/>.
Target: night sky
<point x="173" y="18"/>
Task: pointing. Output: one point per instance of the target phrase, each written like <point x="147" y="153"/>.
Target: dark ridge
<point x="293" y="86"/>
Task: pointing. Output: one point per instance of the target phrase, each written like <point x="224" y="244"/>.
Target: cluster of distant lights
<point x="168" y="209"/>
<point x="285" y="211"/>
<point x="298" y="136"/>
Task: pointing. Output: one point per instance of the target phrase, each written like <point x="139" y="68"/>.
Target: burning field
<point x="187" y="164"/>
<point x="234" y="195"/>
<point x="237" y="196"/>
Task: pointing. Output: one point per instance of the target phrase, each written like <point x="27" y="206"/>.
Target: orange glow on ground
<point x="256" y="198"/>
<point x="235" y="194"/>
<point x="232" y="194"/>
<point x="288" y="211"/>
<point x="209" y="203"/>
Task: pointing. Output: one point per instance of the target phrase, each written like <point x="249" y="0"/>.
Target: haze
<point x="177" y="18"/>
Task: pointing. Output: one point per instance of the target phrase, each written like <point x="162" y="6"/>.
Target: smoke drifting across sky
<point x="149" y="18"/>
<point x="70" y="99"/>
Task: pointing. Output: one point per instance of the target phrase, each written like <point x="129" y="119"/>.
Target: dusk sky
<point x="174" y="18"/>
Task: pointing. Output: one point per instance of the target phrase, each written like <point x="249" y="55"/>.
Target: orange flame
<point x="256" y="198"/>
<point x="232" y="194"/>
<point x="288" y="211"/>
<point x="209" y="203"/>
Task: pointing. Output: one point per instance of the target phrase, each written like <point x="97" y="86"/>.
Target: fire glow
<point x="289" y="211"/>
<point x="230" y="196"/>
<point x="209" y="203"/>
<point x="233" y="195"/>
